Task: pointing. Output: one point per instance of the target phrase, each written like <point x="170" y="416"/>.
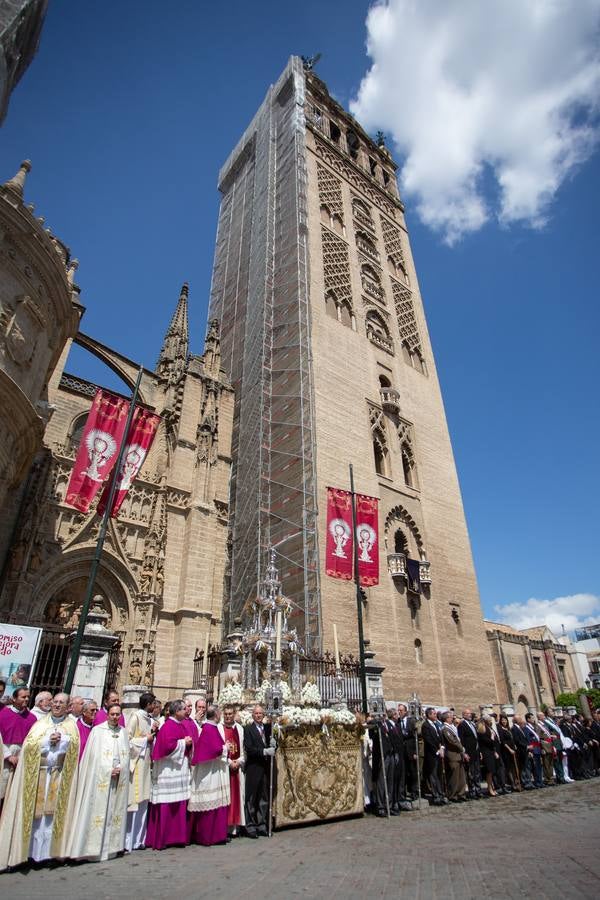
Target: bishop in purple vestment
<point x="170" y="791"/>
<point x="210" y="790"/>
<point x="15" y="724"/>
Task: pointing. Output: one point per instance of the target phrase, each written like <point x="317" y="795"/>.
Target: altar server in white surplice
<point x="141" y="728"/>
<point x="100" y="816"/>
<point x="39" y="807"/>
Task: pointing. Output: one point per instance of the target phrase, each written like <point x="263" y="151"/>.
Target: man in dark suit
<point x="383" y="766"/>
<point x="433" y="756"/>
<point x="521" y="740"/>
<point x="258" y="750"/>
<point x="408" y="726"/>
<point x="467" y="733"/>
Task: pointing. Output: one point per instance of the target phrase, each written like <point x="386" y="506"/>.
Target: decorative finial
<point x="185" y="289"/>
<point x="309" y="62"/>
<point x="380" y="139"/>
<point x="17" y="182"/>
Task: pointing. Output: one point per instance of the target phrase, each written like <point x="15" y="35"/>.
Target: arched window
<point x="378" y="332"/>
<point x="384" y="381"/>
<point x="380" y="452"/>
<point x="338" y="225"/>
<point x="366" y="246"/>
<point x="362" y="214"/>
<point x="408" y="466"/>
<point x="352" y="143"/>
<point x="346" y="316"/>
<point x="77" y="431"/>
<point x="400" y="542"/>
<point x="418" y="651"/>
<point x="325" y="216"/>
<point x="371" y="283"/>
<point x="406" y="354"/>
<point x="331" y="305"/>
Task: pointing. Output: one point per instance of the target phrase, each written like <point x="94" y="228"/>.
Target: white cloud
<point x="573" y="611"/>
<point x="470" y="89"/>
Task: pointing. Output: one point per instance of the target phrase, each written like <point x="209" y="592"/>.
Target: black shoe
<point x="252" y="834"/>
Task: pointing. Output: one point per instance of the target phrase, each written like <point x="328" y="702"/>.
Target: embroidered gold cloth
<point x="319" y="774"/>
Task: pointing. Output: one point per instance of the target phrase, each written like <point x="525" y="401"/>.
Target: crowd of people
<point x="80" y="782"/>
<point x="83" y="783"/>
<point x="448" y="758"/>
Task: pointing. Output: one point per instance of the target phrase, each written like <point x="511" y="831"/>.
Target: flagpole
<point x="76" y="650"/>
<point x="359" y="601"/>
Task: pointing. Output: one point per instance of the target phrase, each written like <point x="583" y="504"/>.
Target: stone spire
<point x="173" y="356"/>
<point x="17" y="182"/>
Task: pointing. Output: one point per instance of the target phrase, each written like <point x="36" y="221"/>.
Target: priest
<point x="85" y="723"/>
<point x="39" y="806"/>
<point x="170" y="789"/>
<point x="102" y="714"/>
<point x="15" y="724"/>
<point x="141" y="728"/>
<point x="99" y="820"/>
<point x="233" y="735"/>
<point x="209" y="798"/>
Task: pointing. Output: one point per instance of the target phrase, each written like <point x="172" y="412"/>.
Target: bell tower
<point x="324" y="336"/>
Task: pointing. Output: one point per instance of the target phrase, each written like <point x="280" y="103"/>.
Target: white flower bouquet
<point x="310" y="695"/>
<point x="231" y="694"/>
<point x="261" y="694"/>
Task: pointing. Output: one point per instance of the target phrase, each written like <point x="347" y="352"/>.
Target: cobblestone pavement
<point x="541" y="844"/>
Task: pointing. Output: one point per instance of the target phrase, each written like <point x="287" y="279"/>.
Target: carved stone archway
<point x="398" y="517"/>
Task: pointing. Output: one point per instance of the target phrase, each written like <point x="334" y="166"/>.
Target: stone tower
<point x="324" y="338"/>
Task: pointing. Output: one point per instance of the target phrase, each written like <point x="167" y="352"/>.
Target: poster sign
<point x="18" y="650"/>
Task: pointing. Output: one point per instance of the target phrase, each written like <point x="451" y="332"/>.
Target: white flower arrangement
<point x="310" y="695"/>
<point x="231" y="694"/>
<point x="261" y="694"/>
<point x="297" y="715"/>
<point x="245" y="717"/>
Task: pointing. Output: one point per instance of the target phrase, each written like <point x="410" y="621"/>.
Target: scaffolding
<point x="260" y="296"/>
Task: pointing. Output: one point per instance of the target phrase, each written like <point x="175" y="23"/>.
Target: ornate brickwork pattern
<point x="336" y="266"/>
<point x="405" y="313"/>
<point x="330" y="191"/>
<point x="335" y="160"/>
<point x="392" y="242"/>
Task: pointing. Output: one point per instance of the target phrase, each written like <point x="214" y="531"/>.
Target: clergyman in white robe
<point x="38" y="808"/>
<point x="140" y="726"/>
<point x="100" y="815"/>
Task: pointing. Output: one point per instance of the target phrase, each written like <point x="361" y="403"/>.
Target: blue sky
<point x="127" y="113"/>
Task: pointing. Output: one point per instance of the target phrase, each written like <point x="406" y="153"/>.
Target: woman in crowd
<point x="509" y="752"/>
<point x="488" y="746"/>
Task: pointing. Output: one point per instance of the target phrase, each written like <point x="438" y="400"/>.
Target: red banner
<point x="338" y="553"/>
<point x="367" y="538"/>
<point x="139" y="440"/>
<point x="339" y="547"/>
<point x="98" y="448"/>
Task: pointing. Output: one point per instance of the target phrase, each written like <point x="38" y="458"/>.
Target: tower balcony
<point x="390" y="400"/>
<point x="397" y="565"/>
<point x="424" y="573"/>
<point x="373" y="290"/>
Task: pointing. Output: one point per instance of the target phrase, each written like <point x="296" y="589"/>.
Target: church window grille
<point x="336" y="266"/>
<point x="392" y="242"/>
<point x="407" y="324"/>
<point x="330" y="192"/>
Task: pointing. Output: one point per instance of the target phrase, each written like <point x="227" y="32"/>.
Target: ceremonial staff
<point x="100" y="543"/>
<point x="383" y="772"/>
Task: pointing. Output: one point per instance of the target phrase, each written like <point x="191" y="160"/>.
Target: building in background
<point x="20" y="28"/>
<point x="325" y="342"/>
<point x="159" y="588"/>
<point x="531" y="666"/>
<point x="585" y="650"/>
<point x="39" y="313"/>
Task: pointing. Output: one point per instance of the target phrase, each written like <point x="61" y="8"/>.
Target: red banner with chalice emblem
<point x="367" y="539"/>
<point x="98" y="448"/>
<point x="138" y="442"/>
<point x="338" y="552"/>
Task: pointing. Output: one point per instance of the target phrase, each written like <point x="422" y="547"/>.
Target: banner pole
<point x="359" y="601"/>
<point x="76" y="650"/>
